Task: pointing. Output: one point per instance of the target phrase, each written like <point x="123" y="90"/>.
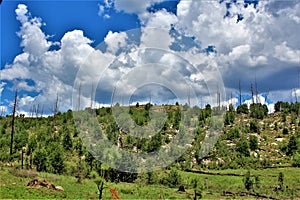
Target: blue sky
<point x="46" y="45"/>
<point x="60" y="17"/>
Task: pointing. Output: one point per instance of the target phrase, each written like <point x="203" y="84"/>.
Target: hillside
<point x="249" y="139"/>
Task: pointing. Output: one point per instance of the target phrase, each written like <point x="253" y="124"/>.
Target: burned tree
<point x="13" y="124"/>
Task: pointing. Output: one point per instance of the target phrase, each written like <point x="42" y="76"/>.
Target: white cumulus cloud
<point x="115" y="41"/>
<point x="258" y="46"/>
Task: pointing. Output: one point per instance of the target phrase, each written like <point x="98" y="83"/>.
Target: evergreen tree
<point x="56" y="158"/>
<point x="242" y="109"/>
<point x="243" y="147"/>
<point x="253" y="142"/>
<point x="40" y="160"/>
<point x="292" y="145"/>
<point x="67" y="141"/>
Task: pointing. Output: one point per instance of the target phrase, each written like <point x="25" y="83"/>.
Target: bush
<point x="285" y="131"/>
<point x="253" y="142"/>
<point x="296" y="160"/>
<point x="243" y="147"/>
<point x="258" y="110"/>
<point x="284" y="146"/>
<point x="2" y="131"/>
<point x="20" y="140"/>
<point x="229" y="118"/>
<point x="292" y="146"/>
<point x="151" y="178"/>
<point x="254" y="126"/>
<point x="248" y="182"/>
<point x="281" y="106"/>
<point x="173" y="179"/>
<point x="233" y="134"/>
<point x="283" y="117"/>
<point x="280" y="181"/>
<point x="197" y="188"/>
<point x="93" y="175"/>
<point x="276" y="126"/>
<point x="67" y="141"/>
<point x="242" y="109"/>
<point x="56" y="158"/>
<point x="40" y="160"/>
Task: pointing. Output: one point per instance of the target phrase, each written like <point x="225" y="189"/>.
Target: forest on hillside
<point x="249" y="139"/>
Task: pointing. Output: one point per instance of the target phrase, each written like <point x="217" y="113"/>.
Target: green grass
<point x="13" y="187"/>
<point x="268" y="180"/>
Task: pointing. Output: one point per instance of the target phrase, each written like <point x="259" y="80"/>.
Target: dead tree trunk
<point x="256" y="92"/>
<point x="92" y="96"/>
<point x="30" y="159"/>
<point x="55" y="110"/>
<point x="252" y="93"/>
<point x="13" y="124"/>
<point x="22" y="159"/>
<point x="79" y="98"/>
<point x="240" y="93"/>
<point x="112" y="98"/>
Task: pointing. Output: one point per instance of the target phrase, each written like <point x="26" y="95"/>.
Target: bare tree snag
<point x="79" y="97"/>
<point x="252" y="93"/>
<point x="30" y="159"/>
<point x="13" y="124"/>
<point x="55" y="110"/>
<point x="240" y="93"/>
<point x="112" y="98"/>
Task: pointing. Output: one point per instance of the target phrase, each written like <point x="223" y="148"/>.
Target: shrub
<point x="284" y="146"/>
<point x="173" y="179"/>
<point x="242" y="109"/>
<point x="151" y="178"/>
<point x="197" y="188"/>
<point x="93" y="175"/>
<point x="248" y="182"/>
<point x="280" y="106"/>
<point x="254" y="126"/>
<point x="2" y="130"/>
<point x="285" y="131"/>
<point x="253" y="142"/>
<point x="243" y="147"/>
<point x="280" y="181"/>
<point x="40" y="160"/>
<point x="292" y="145"/>
<point x="67" y="141"/>
<point x="229" y="118"/>
<point x="276" y="126"/>
<point x="56" y="158"/>
<point x="257" y="181"/>
<point x="294" y="119"/>
<point x="283" y="117"/>
<point x="258" y="110"/>
<point x="20" y="140"/>
<point x="233" y="134"/>
<point x="296" y="160"/>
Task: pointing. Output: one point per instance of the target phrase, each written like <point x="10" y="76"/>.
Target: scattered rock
<point x="220" y="160"/>
<point x="231" y="144"/>
<point x="254" y="154"/>
<point x="39" y="183"/>
<point x="59" y="188"/>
